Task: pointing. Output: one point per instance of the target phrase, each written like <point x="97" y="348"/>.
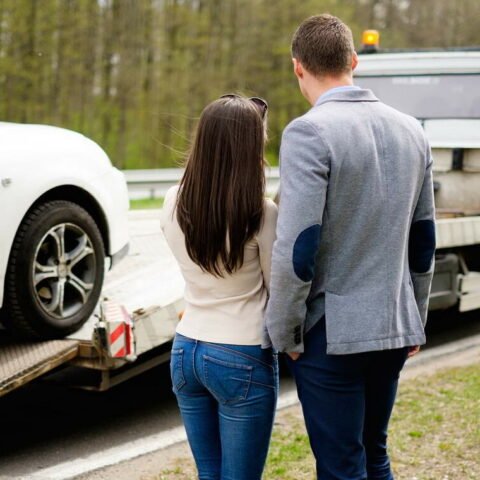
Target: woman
<point x="221" y="230"/>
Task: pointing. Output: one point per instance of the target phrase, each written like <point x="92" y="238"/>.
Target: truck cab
<point x="442" y="90"/>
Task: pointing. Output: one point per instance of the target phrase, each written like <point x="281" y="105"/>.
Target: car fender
<point x="21" y="188"/>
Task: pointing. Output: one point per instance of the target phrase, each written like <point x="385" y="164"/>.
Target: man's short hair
<point x="323" y="44"/>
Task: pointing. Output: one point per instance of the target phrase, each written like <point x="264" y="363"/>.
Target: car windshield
<point x="428" y="96"/>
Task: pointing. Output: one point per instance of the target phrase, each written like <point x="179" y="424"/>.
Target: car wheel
<point x="55" y="272"/>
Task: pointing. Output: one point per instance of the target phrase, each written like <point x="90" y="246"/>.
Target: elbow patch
<point x="421" y="245"/>
<point x="305" y="251"/>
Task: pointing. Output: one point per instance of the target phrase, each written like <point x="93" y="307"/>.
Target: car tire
<point x="55" y="272"/>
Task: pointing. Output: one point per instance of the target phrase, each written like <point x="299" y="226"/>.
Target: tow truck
<point x="441" y="88"/>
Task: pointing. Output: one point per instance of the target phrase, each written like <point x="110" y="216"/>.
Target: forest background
<point x="134" y="75"/>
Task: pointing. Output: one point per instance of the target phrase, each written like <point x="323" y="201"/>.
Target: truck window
<point x="428" y="96"/>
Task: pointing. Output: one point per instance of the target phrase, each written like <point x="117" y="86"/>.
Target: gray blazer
<point x="355" y="232"/>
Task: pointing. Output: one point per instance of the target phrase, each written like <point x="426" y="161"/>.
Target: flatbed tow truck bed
<point x="21" y="362"/>
<point x="148" y="277"/>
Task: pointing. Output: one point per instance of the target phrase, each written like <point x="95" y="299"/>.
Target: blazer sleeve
<point x="421" y="248"/>
<point x="304" y="172"/>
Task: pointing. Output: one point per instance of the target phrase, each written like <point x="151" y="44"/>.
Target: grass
<point x="434" y="434"/>
<point x="146" y="203"/>
<point x="290" y="457"/>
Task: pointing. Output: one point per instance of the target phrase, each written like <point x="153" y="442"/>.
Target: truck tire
<point x="55" y="272"/>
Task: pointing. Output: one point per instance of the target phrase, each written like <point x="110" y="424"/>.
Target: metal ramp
<point x="21" y="362"/>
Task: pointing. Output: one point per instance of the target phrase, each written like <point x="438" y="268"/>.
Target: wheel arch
<point x="82" y="198"/>
<point x="68" y="192"/>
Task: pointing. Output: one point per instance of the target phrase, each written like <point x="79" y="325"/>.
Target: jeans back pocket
<point x="228" y="382"/>
<point x="176" y="369"/>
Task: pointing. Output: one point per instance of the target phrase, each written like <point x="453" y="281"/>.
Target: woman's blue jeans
<point x="227" y="397"/>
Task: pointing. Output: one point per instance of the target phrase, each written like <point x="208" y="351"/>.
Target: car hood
<point x="22" y="142"/>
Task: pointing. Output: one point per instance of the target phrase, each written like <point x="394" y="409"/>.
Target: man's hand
<point x="293" y="355"/>
<point x="413" y="350"/>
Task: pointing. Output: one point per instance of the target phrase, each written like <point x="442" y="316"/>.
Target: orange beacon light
<point x="370" y="41"/>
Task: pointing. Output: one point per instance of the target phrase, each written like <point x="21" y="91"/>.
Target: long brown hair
<point x="220" y="200"/>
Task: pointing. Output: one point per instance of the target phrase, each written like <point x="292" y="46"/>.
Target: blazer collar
<point x="357" y="95"/>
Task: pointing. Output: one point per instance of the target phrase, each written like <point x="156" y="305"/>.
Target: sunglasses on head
<point x="260" y="103"/>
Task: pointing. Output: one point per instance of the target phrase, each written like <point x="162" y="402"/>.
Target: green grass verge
<point x="434" y="434"/>
<point x="146" y="203"/>
<point x="435" y="431"/>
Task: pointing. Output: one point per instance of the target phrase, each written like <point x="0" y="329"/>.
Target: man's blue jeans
<point x="347" y="401"/>
<point x="227" y="396"/>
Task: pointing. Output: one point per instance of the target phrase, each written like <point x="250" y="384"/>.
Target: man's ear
<point x="354" y="61"/>
<point x="297" y="68"/>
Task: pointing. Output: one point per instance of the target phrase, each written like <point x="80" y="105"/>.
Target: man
<point x="353" y="260"/>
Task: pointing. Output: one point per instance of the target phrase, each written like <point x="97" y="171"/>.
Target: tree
<point x="134" y="75"/>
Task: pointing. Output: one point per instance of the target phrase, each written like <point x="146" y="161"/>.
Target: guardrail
<point x="154" y="183"/>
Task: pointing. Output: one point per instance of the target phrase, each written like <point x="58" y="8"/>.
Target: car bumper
<point x="117" y="256"/>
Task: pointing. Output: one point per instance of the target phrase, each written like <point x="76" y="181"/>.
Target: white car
<point x="63" y="210"/>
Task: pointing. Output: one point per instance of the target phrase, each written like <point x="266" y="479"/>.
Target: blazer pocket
<point x="228" y="382"/>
